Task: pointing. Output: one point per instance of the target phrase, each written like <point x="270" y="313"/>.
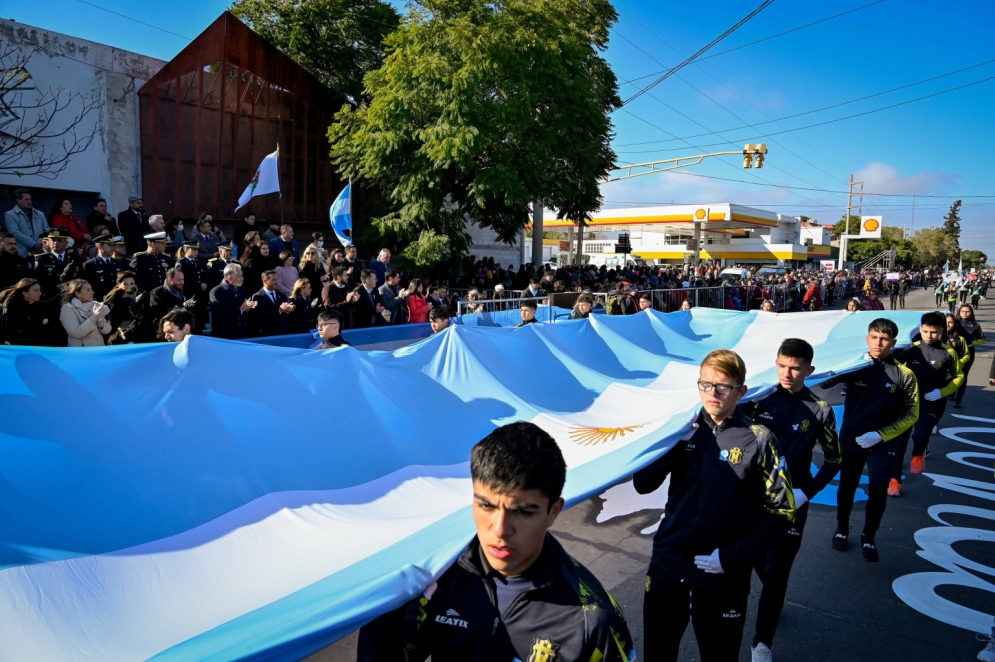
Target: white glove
<point x="690" y="433"/>
<point x="101" y="310"/>
<point x="710" y="564"/>
<point x="800" y="498"/>
<point x="933" y="395"/>
<point x="867" y="440"/>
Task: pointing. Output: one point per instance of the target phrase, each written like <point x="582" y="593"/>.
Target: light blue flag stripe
<point x="341" y="215"/>
<point x="266" y="539"/>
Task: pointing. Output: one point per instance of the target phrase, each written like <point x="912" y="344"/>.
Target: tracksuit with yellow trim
<point x="729" y="490"/>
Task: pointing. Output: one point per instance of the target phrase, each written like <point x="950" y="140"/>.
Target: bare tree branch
<point x="40" y="129"/>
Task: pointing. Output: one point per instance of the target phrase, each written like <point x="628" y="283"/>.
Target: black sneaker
<point x="840" y="539"/>
<point x="956" y="405"/>
<point x="868" y="548"/>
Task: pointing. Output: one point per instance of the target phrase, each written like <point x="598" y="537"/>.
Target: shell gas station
<point x="723" y="234"/>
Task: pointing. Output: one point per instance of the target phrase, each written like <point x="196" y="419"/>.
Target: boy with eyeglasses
<point x="730" y="500"/>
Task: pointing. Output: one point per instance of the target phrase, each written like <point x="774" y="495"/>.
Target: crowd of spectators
<point x="112" y="280"/>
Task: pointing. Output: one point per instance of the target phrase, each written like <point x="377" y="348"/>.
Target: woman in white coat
<point x="85" y="320"/>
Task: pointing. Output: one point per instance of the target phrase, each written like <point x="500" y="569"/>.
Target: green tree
<point x="337" y="41"/>
<point x="973" y="259"/>
<point x="841" y="226"/>
<point x="859" y="250"/>
<point x="933" y="247"/>
<point x="481" y="108"/>
<point x="951" y="225"/>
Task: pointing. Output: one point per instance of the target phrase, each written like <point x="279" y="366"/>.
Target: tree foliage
<point x="841" y="226"/>
<point x="973" y="259"/>
<point x="859" y="250"/>
<point x="933" y="247"/>
<point x="481" y="108"/>
<point x="951" y="224"/>
<point x="337" y="41"/>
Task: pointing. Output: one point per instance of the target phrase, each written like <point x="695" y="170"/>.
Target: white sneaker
<point x="987" y="655"/>
<point x="762" y="654"/>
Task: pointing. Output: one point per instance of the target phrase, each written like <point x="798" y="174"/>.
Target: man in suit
<point x="353" y="267"/>
<point x="269" y="317"/>
<point x="285" y="242"/>
<point x="163" y="299"/>
<point x="26" y="223"/>
<point x="56" y="265"/>
<point x="230" y="305"/>
<point x="133" y="223"/>
<point x="393" y="298"/>
<point x="99" y="216"/>
<point x="13" y="267"/>
<point x="368" y="308"/>
<point x="101" y="271"/>
<point x="150" y="266"/>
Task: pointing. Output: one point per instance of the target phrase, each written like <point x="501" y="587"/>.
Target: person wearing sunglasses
<point x="730" y="500"/>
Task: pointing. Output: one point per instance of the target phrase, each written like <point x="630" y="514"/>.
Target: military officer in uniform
<point x="194" y="287"/>
<point x="101" y="271"/>
<point x="150" y="265"/>
<point x="55" y="265"/>
<point x="216" y="265"/>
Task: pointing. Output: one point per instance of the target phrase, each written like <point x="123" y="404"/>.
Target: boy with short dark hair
<point x="330" y="330"/>
<point x="799" y="420"/>
<point x="528" y="310"/>
<point x="882" y="402"/>
<point x="938" y="374"/>
<point x="514" y="593"/>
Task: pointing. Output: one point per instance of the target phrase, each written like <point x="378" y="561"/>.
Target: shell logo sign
<point x="700" y="214"/>
<point x="870" y="227"/>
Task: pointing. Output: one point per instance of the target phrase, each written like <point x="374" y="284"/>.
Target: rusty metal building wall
<point x="210" y="116"/>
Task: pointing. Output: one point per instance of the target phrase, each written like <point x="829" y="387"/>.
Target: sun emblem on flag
<point x="590" y="436"/>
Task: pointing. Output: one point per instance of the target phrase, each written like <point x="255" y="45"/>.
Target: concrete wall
<point x="109" y="76"/>
<point x="486" y="244"/>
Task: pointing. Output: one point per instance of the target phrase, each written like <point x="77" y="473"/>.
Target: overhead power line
<point x="760" y="41"/>
<point x="823" y="190"/>
<point x="833" y="121"/>
<point x="154" y="27"/>
<point x="691" y="59"/>
<point x="830" y="107"/>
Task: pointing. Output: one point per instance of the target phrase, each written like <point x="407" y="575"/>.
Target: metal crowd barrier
<point x="480" y="306"/>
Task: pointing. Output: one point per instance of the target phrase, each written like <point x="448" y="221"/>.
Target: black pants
<point x="929" y="415"/>
<point x="717" y="617"/>
<point x="963" y="387"/>
<point x="880" y="460"/>
<point x="773" y="572"/>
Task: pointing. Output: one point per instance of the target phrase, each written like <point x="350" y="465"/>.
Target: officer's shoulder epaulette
<point x="213" y="259"/>
<point x="140" y="253"/>
<point x="37" y="255"/>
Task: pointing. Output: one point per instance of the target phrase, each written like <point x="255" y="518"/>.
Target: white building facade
<point x="90" y="73"/>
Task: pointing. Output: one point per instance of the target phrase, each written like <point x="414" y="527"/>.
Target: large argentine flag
<point x="341" y="215"/>
<point x="184" y="502"/>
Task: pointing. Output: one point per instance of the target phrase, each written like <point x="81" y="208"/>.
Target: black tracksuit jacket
<point x="567" y="616"/>
<point x="729" y="490"/>
<point x="882" y="397"/>
<point x="799" y="421"/>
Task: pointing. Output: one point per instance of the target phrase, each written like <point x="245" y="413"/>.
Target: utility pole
<point x="913" y="230"/>
<point x="849" y="211"/>
<point x="537" y="245"/>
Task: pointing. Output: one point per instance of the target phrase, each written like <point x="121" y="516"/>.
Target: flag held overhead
<point x="266" y="180"/>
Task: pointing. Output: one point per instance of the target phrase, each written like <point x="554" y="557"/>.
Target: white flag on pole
<point x="266" y="180"/>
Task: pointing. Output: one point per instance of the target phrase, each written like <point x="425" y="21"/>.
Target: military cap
<point x="157" y="237"/>
<point x="103" y="239"/>
<point x="191" y="244"/>
<point x="230" y="246"/>
<point x="54" y="233"/>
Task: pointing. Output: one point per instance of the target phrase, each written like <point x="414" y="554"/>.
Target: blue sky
<point x="942" y="146"/>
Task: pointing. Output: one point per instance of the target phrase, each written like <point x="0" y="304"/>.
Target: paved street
<point x="839" y="608"/>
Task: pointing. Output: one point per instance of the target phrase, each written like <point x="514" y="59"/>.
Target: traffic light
<point x="750" y="151"/>
<point x="761" y="151"/>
